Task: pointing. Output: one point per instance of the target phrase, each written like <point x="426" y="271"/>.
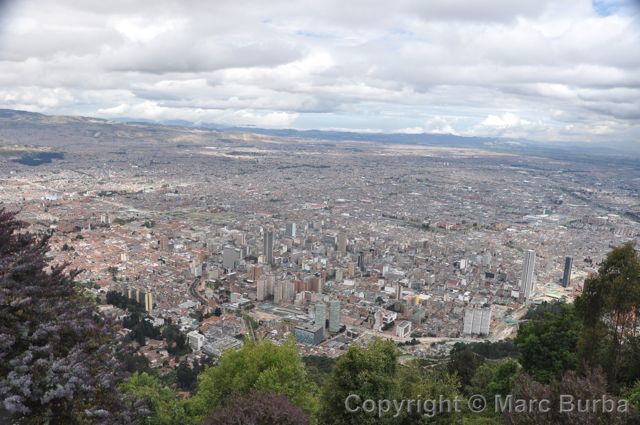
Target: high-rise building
<point x="334" y="316"/>
<point x="291" y="230"/>
<point x="148" y="302"/>
<point x="350" y="270"/>
<point x="278" y="292"/>
<point x="477" y="321"/>
<point x="566" y="276"/>
<point x="284" y="292"/>
<point x="230" y="257"/>
<point x="342" y="243"/>
<point x="271" y="282"/>
<point x="289" y="290"/>
<point x="315" y="284"/>
<point x="261" y="289"/>
<point x="268" y="246"/>
<point x="321" y="314"/>
<point x="528" y="268"/>
<point x="361" y="264"/>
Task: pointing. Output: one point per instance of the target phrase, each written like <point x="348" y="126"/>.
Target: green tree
<point x="258" y="366"/>
<point x="318" y="368"/>
<point x="186" y="378"/>
<point x="609" y="307"/>
<point x="493" y="378"/>
<point x="369" y="373"/>
<point x="548" y="343"/>
<point x="418" y="383"/>
<point x="633" y="395"/>
<point x="464" y="362"/>
<point x="166" y="408"/>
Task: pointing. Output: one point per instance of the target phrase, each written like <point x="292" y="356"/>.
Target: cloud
<point x="540" y="69"/>
<point x="153" y="111"/>
<point x="440" y="125"/>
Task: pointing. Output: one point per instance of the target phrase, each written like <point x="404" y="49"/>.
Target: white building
<point x="527" y="280"/>
<point x="334" y="316"/>
<point x="477" y="321"/>
<point x="383" y="317"/>
<point x="403" y="330"/>
<point x="196" y="340"/>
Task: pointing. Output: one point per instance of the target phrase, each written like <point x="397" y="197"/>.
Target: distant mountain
<point x="619" y="153"/>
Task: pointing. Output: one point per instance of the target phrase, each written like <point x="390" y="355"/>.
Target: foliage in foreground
<point x="57" y="356"/>
<point x="259" y="409"/>
<point x="547" y="344"/>
<point x="260" y="366"/>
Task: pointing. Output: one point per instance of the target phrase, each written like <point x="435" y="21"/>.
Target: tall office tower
<point x="334" y="316"/>
<point x="267" y="249"/>
<point x="291" y="230"/>
<point x="527" y="279"/>
<point x="321" y="314"/>
<point x="566" y="277"/>
<point x="361" y="265"/>
<point x="261" y="288"/>
<point x="230" y="257"/>
<point x="342" y="243"/>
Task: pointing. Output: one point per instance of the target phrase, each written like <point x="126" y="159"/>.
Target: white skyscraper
<point x="527" y="280"/>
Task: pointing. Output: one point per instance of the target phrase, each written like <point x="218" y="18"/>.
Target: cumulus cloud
<point x="540" y="69"/>
<point x="240" y="117"/>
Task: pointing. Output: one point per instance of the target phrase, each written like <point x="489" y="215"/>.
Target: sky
<point x="545" y="70"/>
